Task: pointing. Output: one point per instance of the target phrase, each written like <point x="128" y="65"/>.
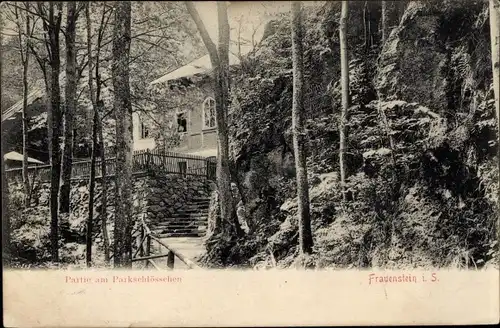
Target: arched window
<point x="209" y="113"/>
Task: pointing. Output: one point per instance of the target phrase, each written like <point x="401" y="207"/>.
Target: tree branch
<point x="40" y="15"/>
<point x="209" y="44"/>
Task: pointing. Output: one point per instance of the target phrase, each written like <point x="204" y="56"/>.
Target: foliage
<point x="422" y="178"/>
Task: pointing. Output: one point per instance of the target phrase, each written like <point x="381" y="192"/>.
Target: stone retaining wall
<point x="156" y="196"/>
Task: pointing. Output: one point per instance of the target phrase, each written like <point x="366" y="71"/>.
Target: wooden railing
<point x="145" y="161"/>
<point x="143" y="252"/>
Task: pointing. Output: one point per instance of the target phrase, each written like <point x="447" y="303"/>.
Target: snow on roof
<point x="200" y="65"/>
<point x="15" y="156"/>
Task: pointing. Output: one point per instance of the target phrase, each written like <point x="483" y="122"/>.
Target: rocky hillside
<point x="421" y="132"/>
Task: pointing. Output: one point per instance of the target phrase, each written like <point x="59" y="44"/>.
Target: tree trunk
<point x="25" y="60"/>
<point x="70" y="101"/>
<point x="97" y="106"/>
<point x="344" y="62"/>
<point x="54" y="123"/>
<point x="495" y="63"/>
<point x="220" y="64"/>
<point x="90" y="217"/>
<point x="228" y="210"/>
<point x="5" y="214"/>
<point x="385" y="19"/>
<point x="123" y="116"/>
<point x="305" y="235"/>
<point x="104" y="196"/>
<point x="5" y="188"/>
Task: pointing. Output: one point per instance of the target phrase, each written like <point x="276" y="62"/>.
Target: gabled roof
<point x="37" y="93"/>
<point x="17" y="107"/>
<point x="200" y="65"/>
<point x="15" y="156"/>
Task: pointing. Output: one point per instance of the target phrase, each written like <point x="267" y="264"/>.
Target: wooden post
<point x="148" y="158"/>
<point x="141" y="247"/>
<point x="170" y="260"/>
<point x="148" y="249"/>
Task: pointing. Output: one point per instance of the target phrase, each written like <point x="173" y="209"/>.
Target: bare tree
<point x="70" y="108"/>
<point x="305" y="234"/>
<point x="344" y="62"/>
<point x="6" y="234"/>
<point x="219" y="57"/>
<point x="24" y="38"/>
<point x="384" y="20"/>
<point x="97" y="106"/>
<point x="51" y="18"/>
<point x="123" y="116"/>
<point x="94" y="141"/>
<point x="495" y="63"/>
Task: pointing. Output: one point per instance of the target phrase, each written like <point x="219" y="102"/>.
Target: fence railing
<point x="144" y="161"/>
<point x="143" y="252"/>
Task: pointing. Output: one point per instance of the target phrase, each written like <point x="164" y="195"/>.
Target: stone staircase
<point x="189" y="221"/>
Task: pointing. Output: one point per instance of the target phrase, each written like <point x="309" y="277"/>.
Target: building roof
<point x="15" y="156"/>
<point x="200" y="65"/>
<point x="17" y="107"/>
<point x="37" y="93"/>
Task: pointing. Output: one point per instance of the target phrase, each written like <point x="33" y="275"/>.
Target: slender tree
<point x="24" y="53"/>
<point x="219" y="58"/>
<point x="70" y="105"/>
<point x="495" y="63"/>
<point x="52" y="27"/>
<point x="94" y="142"/>
<point x="6" y="235"/>
<point x="305" y="235"/>
<point x="384" y="20"/>
<point x="344" y="63"/>
<point x="97" y="106"/>
<point x="123" y="116"/>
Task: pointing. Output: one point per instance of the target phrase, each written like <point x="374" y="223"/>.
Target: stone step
<point x="184" y="223"/>
<point x="198" y="200"/>
<point x="180" y="221"/>
<point x="182" y="234"/>
<point x="187" y="215"/>
<point x="192" y="210"/>
<point x="183" y="220"/>
<point x="171" y="229"/>
<point x="180" y="229"/>
<point x="196" y="207"/>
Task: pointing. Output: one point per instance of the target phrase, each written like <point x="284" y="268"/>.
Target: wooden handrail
<point x="181" y="257"/>
<point x="144" y="258"/>
<point x="143" y="162"/>
<point x="171" y="251"/>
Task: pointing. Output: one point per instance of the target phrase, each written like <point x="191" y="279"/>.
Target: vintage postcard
<point x="239" y="163"/>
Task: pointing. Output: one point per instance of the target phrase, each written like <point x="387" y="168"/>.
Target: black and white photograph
<point x="250" y="135"/>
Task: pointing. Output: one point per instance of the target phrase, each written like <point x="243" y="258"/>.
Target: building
<point x="194" y="120"/>
<point x="14" y="160"/>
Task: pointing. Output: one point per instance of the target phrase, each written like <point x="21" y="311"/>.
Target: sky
<point x="252" y="15"/>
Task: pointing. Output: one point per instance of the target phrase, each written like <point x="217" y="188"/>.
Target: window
<point x="144" y="131"/>
<point x="181" y="122"/>
<point x="209" y="113"/>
